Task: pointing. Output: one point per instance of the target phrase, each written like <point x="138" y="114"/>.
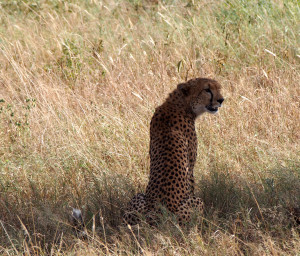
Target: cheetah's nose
<point x="220" y="101"/>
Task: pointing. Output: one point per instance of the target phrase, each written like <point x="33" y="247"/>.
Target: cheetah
<point x="173" y="152"/>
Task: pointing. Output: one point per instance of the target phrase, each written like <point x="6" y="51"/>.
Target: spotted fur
<point x="173" y="152"/>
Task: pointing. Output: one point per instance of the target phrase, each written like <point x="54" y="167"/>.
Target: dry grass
<point x="79" y="81"/>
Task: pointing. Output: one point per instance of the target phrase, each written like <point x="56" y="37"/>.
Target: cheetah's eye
<point x="207" y="90"/>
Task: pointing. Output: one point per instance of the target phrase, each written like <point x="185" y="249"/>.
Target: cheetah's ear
<point x="185" y="88"/>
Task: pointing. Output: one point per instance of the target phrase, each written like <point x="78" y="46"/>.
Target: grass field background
<point x="79" y="83"/>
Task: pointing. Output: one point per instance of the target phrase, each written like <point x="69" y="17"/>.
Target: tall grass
<point x="79" y="82"/>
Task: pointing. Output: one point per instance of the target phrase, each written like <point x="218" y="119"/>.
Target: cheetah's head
<point x="202" y="95"/>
